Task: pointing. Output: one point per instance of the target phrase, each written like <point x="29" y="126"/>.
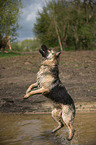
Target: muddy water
<point x="36" y="130"/>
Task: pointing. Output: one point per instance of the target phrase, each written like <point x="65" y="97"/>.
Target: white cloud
<point x="32" y="12"/>
<point x="28" y="18"/>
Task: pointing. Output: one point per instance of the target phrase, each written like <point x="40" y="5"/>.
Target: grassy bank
<point x="9" y="54"/>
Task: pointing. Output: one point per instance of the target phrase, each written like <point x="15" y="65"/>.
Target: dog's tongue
<point x="43" y="51"/>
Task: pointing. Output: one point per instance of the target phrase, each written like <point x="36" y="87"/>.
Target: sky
<point x="28" y="18"/>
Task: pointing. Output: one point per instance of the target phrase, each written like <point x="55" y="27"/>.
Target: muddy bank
<point x="77" y="72"/>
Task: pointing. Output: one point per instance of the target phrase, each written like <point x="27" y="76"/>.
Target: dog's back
<point x="48" y="76"/>
<point x="59" y="94"/>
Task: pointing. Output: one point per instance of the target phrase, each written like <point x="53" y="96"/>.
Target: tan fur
<point x="44" y="78"/>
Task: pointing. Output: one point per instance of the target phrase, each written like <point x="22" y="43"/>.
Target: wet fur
<point x="50" y="86"/>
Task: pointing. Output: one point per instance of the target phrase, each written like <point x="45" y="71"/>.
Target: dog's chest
<point x="44" y="77"/>
<point x="42" y="72"/>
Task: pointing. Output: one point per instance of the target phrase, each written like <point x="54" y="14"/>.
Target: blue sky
<point x="28" y="18"/>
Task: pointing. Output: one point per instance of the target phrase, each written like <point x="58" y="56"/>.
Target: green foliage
<point x="26" y="45"/>
<point x="9" y="54"/>
<point x="75" y="21"/>
<point x="9" y="14"/>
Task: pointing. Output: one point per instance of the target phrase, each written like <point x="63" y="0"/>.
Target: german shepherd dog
<point x="49" y="84"/>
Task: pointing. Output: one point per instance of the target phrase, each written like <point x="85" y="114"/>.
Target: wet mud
<point x="77" y="72"/>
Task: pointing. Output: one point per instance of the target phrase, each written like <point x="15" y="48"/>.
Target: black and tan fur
<point x="49" y="84"/>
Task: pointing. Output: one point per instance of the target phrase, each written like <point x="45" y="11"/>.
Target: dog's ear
<point x="58" y="53"/>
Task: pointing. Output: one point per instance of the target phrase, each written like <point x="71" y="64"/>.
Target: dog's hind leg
<point x="56" y="114"/>
<point x="71" y="133"/>
<point x="68" y="117"/>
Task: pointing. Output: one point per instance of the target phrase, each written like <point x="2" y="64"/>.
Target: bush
<point x="26" y="45"/>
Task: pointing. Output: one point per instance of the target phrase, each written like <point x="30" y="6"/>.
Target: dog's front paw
<point x="26" y="96"/>
<point x="28" y="90"/>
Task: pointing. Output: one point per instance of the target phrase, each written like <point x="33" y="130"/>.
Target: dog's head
<point x="44" y="51"/>
<point x="49" y="54"/>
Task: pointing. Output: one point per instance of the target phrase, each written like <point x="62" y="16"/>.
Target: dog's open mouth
<point x="44" y="50"/>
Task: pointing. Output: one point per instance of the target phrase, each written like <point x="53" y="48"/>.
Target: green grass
<point x="9" y="54"/>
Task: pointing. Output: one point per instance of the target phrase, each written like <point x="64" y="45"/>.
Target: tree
<point x="44" y="29"/>
<point x="71" y="23"/>
<point x="84" y="16"/>
<point x="9" y="14"/>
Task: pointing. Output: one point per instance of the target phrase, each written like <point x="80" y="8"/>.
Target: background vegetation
<point x="26" y="45"/>
<point x="65" y="24"/>
<point x="9" y="15"/>
<point x="71" y="23"/>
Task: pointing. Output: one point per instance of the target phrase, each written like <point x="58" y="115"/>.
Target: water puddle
<point x="36" y="130"/>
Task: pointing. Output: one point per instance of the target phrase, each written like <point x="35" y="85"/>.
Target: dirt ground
<point x="77" y="72"/>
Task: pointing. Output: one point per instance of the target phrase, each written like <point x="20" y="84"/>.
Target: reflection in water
<point x="36" y="130"/>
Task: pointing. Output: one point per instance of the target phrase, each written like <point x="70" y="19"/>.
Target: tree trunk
<point x="8" y="43"/>
<point x="5" y="43"/>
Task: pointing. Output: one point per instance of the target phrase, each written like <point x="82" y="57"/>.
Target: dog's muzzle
<point x="43" y="50"/>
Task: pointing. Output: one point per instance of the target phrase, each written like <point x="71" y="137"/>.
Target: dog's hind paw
<point x="59" y="127"/>
<point x="70" y="138"/>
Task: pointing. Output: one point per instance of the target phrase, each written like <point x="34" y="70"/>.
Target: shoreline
<point x="81" y="107"/>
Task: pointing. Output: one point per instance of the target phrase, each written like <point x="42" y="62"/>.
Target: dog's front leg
<point x="39" y="91"/>
<point x="31" y="86"/>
